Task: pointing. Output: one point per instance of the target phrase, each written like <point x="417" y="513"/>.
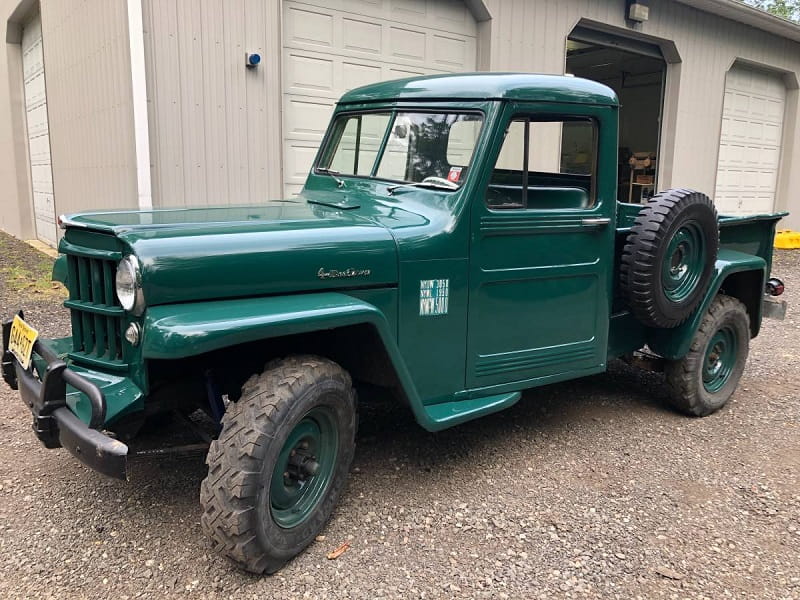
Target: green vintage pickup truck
<point x="458" y="241"/>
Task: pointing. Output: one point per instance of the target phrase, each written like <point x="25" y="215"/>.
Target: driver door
<point x="541" y="251"/>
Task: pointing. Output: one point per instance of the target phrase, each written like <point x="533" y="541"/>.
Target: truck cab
<point x="458" y="241"/>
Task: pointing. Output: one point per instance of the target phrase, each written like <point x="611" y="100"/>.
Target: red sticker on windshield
<point x="455" y="174"/>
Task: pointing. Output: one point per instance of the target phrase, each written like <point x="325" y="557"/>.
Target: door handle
<point x="595" y="222"/>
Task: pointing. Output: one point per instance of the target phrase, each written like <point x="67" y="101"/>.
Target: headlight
<point x="129" y="285"/>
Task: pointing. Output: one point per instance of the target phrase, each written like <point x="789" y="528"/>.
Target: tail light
<point x="775" y="287"/>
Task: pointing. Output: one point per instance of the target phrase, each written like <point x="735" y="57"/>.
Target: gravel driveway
<point x="591" y="488"/>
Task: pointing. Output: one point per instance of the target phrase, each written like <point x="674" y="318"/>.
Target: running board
<point x="448" y="414"/>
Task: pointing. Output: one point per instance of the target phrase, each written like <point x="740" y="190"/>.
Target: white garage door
<point x="38" y="132"/>
<point x="750" y="143"/>
<point x="331" y="46"/>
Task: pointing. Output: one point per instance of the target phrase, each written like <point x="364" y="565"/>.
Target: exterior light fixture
<point x="638" y="12"/>
<point x="133" y="334"/>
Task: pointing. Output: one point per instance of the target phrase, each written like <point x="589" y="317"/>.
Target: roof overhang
<point x="743" y="13"/>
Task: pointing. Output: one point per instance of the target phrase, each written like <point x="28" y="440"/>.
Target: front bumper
<point x="53" y="422"/>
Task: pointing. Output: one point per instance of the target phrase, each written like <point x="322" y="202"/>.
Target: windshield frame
<point x="331" y="140"/>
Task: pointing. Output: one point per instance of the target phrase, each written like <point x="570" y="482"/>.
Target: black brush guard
<point x="53" y="422"/>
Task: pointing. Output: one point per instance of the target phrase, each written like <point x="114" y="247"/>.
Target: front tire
<point x="280" y="463"/>
<point x="703" y="381"/>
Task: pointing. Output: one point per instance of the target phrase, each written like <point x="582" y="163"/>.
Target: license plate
<point x="21" y="340"/>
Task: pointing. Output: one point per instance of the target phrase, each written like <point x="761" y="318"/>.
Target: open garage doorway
<point x="636" y="72"/>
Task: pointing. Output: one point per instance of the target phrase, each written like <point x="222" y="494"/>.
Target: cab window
<point x="359" y="144"/>
<point x="425" y="148"/>
<point x="545" y="164"/>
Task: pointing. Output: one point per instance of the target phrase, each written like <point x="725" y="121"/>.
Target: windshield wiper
<point x="438" y="185"/>
<point x="332" y="173"/>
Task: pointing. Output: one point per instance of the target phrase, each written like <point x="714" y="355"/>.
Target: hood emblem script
<point x="345" y="274"/>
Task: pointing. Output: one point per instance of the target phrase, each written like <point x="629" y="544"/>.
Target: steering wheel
<point x="441" y="181"/>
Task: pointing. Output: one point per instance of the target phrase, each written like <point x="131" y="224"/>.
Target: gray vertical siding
<point x="214" y="124"/>
<point x="87" y="70"/>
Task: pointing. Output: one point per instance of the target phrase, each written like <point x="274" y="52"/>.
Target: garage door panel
<point x="307" y="118"/>
<point x="404" y="43"/>
<point x="33" y="58"/>
<point x="309" y="73"/>
<point x="444" y="15"/>
<point x="362" y="36"/>
<point x="744" y="203"/>
<point x="453" y="13"/>
<point x="750" y="139"/>
<point x="355" y="74"/>
<point x="774" y="110"/>
<point x="452" y="52"/>
<point x="35" y="90"/>
<point x="42" y="177"/>
<point x="399" y="46"/>
<point x="344" y="74"/>
<point x="37" y="120"/>
<point x="333" y="46"/>
<point x="39" y="146"/>
<point x="329" y="25"/>
<point x="732" y="155"/>
<point x="44" y="207"/>
<point x="771" y="134"/>
<point x="39" y="149"/>
<point x="312" y="27"/>
<point x="747" y="157"/>
<point x="299" y="157"/>
<point x="38" y="132"/>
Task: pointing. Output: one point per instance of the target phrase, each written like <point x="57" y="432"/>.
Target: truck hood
<point x="210" y="253"/>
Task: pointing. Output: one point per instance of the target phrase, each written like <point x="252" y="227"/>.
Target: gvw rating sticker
<point x="433" y="295"/>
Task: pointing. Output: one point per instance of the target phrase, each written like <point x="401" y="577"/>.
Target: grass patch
<point x="33" y="280"/>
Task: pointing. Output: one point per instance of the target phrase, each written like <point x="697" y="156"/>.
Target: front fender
<point x="674" y="343"/>
<point x="183" y="330"/>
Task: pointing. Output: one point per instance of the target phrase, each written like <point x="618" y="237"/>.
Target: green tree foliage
<point x="787" y="9"/>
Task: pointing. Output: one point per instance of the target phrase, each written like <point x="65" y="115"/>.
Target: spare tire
<point x="669" y="256"/>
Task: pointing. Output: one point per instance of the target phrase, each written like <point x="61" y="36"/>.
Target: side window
<point x="545" y="164"/>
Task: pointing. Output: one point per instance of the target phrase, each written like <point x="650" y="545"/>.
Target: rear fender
<point x="191" y="329"/>
<point x="674" y="343"/>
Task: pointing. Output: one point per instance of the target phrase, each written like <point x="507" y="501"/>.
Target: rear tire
<point x="703" y="381"/>
<point x="280" y="463"/>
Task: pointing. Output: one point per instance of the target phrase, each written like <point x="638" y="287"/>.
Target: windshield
<point x="425" y="148"/>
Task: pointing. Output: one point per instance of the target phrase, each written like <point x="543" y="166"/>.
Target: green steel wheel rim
<point x="720" y="359"/>
<point x="304" y="468"/>
<point x="684" y="262"/>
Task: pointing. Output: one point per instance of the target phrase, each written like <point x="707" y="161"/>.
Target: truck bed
<point x="750" y="234"/>
<point x="740" y="237"/>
